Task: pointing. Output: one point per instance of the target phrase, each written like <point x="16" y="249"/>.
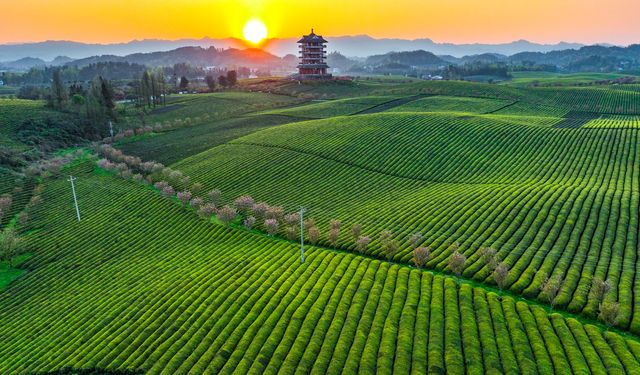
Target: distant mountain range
<point x="352" y="46"/>
<point x="584" y="58"/>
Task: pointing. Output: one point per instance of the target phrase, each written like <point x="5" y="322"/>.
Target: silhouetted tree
<point x="211" y="82"/>
<point x="184" y="83"/>
<point x="232" y="78"/>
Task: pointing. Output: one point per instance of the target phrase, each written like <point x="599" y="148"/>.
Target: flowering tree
<point x="249" y="222"/>
<point x="207" y="210"/>
<point x="214" y="196"/>
<point x="196" y="202"/>
<point x="244" y="204"/>
<point x="271" y="225"/>
<point x="292" y="218"/>
<point x="184" y="197"/>
<point x="226" y="215"/>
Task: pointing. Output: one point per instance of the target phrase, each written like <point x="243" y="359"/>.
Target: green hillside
<point x="551" y="201"/>
<point x="171" y="293"/>
<point x="548" y="177"/>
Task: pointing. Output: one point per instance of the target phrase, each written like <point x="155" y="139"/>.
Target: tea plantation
<point x="167" y="272"/>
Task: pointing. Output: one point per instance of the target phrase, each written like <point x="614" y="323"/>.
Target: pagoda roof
<point x="312" y="38"/>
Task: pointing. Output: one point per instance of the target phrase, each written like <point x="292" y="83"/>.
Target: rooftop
<point x="312" y="38"/>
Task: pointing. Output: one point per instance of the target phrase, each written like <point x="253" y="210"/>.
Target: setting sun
<point x="255" y="31"/>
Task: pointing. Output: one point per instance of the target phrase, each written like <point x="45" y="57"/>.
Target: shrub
<point x="227" y="214"/>
<point x="421" y="255"/>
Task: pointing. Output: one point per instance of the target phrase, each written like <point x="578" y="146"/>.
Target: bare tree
<point x="356" y="230"/>
<point x="415" y="240"/>
<point x="385" y="236"/>
<point x="271" y="225"/>
<point x="609" y="313"/>
<point x="313" y="234"/>
<point x="500" y="274"/>
<point x="335" y="224"/>
<point x="334" y="234"/>
<point x="600" y="288"/>
<point x="456" y="262"/>
<point x="362" y="243"/>
<point x="227" y="214"/>
<point x="550" y="288"/>
<point x="421" y="255"/>
<point x="488" y="256"/>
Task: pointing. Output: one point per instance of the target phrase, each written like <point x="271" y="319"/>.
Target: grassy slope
<point x="141" y="283"/>
<point x="558" y="201"/>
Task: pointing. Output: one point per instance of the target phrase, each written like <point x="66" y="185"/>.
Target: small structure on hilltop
<point x="313" y="57"/>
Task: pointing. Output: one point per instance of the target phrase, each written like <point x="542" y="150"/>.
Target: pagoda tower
<point x="313" y="57"/>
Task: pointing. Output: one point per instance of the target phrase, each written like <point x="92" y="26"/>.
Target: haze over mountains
<point x="352" y="46"/>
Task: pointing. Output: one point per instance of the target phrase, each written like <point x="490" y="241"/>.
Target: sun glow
<point x="255" y="31"/>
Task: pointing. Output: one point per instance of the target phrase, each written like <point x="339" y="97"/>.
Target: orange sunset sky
<point x="457" y="21"/>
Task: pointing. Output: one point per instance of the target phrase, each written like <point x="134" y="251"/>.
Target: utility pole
<point x="73" y="189"/>
<point x="302" y="211"/>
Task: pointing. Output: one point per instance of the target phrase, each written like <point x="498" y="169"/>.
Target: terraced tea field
<point x="172" y="293"/>
<point x="548" y="177"/>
